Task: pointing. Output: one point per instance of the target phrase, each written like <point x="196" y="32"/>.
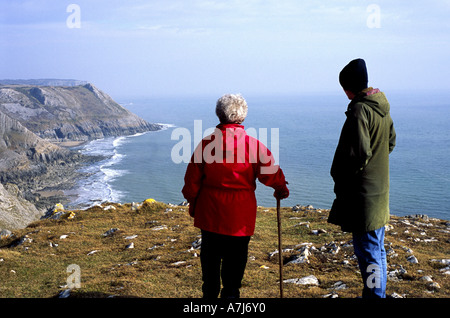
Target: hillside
<point x="69" y="113"/>
<point x="151" y="250"/>
<point x="35" y="122"/>
<point x="26" y="162"/>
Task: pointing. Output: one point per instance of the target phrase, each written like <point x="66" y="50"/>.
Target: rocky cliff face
<point x="24" y="159"/>
<point x="15" y="210"/>
<point x="69" y="113"/>
<point x="20" y="148"/>
<point x="32" y="119"/>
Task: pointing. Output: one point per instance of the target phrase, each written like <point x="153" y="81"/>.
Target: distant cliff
<point x="69" y="113"/>
<point x="43" y="82"/>
<point x="33" y="120"/>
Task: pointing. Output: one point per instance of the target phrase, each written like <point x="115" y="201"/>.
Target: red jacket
<point x="220" y="180"/>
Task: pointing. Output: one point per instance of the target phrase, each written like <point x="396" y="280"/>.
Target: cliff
<point x="43" y="82"/>
<point x="34" y="120"/>
<point x="15" y="210"/>
<point x="21" y="150"/>
<point x="69" y="113"/>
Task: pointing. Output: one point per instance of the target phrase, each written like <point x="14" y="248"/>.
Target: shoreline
<point x="69" y="195"/>
<point x="70" y="143"/>
<point x="80" y="195"/>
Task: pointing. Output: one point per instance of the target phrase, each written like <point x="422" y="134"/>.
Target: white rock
<point x="272" y="254"/>
<point x="332" y="248"/>
<point x="339" y="286"/>
<point x="4" y="234"/>
<point x="159" y="228"/>
<point x="426" y="279"/>
<point x="299" y="260"/>
<point x="131" y="245"/>
<point x="412" y="259"/>
<point x="131" y="237"/>
<point x="407" y="249"/>
<point x="307" y="280"/>
<point x="304" y="244"/>
<point x="445" y="261"/>
<point x="178" y="263"/>
<point x="433" y="286"/>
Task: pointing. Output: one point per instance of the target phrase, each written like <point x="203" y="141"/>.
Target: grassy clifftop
<point x="152" y="250"/>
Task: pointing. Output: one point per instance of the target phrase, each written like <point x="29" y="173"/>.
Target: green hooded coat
<point x="360" y="167"/>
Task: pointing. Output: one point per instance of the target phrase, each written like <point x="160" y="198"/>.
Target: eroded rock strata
<point x="35" y="121"/>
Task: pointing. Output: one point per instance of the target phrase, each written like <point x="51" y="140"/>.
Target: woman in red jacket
<point x="220" y="184"/>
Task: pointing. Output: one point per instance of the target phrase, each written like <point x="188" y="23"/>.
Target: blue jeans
<point x="369" y="249"/>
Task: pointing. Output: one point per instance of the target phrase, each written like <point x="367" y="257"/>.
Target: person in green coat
<point x="360" y="171"/>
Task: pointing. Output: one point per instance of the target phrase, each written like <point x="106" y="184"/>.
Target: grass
<point x="163" y="263"/>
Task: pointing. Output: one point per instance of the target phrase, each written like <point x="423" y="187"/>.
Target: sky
<point x="198" y="47"/>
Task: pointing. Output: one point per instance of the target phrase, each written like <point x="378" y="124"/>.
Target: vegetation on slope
<point x="151" y="250"/>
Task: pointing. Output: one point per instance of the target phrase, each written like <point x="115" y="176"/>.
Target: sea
<point x="302" y="131"/>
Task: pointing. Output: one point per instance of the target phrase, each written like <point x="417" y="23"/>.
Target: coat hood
<point x="375" y="99"/>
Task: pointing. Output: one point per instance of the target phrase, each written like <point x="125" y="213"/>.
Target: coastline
<point x="91" y="185"/>
<point x="71" y="143"/>
<point x="41" y="158"/>
<point x="116" y="171"/>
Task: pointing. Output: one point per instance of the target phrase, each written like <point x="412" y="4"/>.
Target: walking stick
<point x="280" y="258"/>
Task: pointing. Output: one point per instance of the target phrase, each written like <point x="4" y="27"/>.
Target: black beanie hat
<point x="353" y="76"/>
